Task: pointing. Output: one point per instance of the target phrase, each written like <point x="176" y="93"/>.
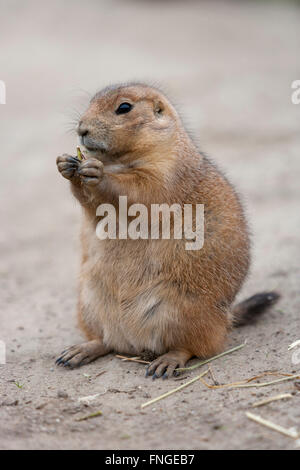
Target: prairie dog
<point x="154" y="295"/>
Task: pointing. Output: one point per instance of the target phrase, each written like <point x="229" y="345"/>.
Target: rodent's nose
<point x="82" y="130"/>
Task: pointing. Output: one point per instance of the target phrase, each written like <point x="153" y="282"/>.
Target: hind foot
<point x="164" y="366"/>
<point x="82" y="354"/>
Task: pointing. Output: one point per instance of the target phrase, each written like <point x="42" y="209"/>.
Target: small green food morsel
<point x="80" y="155"/>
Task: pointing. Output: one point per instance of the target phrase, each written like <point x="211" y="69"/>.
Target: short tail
<point x="246" y="312"/>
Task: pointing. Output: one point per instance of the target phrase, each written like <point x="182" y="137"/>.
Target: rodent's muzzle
<point x="88" y="141"/>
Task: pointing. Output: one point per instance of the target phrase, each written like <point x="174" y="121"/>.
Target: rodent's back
<point x="219" y="268"/>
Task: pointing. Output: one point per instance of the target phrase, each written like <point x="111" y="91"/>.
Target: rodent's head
<point x="132" y="119"/>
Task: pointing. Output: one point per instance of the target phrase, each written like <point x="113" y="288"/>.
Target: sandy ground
<point x="229" y="67"/>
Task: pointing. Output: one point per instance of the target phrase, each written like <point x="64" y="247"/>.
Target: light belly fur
<point x="109" y="308"/>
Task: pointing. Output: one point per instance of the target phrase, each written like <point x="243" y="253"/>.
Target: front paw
<point x="91" y="171"/>
<point x="67" y="166"/>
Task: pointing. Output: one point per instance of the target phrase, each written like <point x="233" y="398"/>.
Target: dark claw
<point x="147" y="373"/>
<point x="165" y="376"/>
<point x="154" y="376"/>
<point x="59" y="361"/>
<point x="67" y="364"/>
<point x="68" y="172"/>
<point x="73" y="160"/>
<point x="71" y="167"/>
<point x="67" y="165"/>
<point x="81" y="172"/>
<point x="176" y="373"/>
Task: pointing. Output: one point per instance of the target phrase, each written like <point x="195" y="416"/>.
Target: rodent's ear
<point x="158" y="107"/>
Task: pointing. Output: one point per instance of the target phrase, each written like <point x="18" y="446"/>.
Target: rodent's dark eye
<point x="124" y="108"/>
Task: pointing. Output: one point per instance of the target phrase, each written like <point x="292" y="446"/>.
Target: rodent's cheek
<point x="119" y="141"/>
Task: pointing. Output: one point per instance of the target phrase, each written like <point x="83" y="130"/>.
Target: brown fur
<point x="138" y="295"/>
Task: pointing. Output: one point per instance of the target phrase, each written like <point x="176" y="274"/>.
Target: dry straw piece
<point x="294" y="344"/>
<point x="92" y="415"/>
<point x="293" y="433"/>
<point x="202" y="363"/>
<point x="271" y="399"/>
<point x="132" y="359"/>
<point x="245" y="383"/>
<point x="88" y="399"/>
<point x="165" y="395"/>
